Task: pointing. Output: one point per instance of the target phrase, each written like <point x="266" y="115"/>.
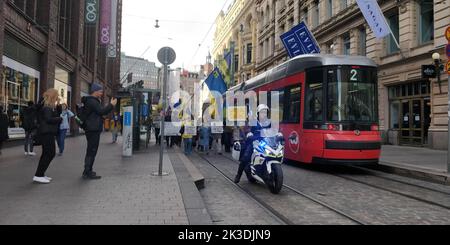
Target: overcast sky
<point x="184" y="24"/>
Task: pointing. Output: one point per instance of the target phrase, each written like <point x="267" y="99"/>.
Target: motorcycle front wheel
<point x="275" y="182"/>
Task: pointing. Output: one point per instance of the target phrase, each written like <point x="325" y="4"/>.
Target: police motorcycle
<point x="267" y="157"/>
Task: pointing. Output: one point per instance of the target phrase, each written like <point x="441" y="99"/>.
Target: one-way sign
<point x="299" y="40"/>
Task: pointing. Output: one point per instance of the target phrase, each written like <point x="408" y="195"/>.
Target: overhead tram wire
<point x="206" y="36"/>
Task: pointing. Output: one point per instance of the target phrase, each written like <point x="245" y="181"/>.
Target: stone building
<point x="412" y="110"/>
<point x="46" y="44"/>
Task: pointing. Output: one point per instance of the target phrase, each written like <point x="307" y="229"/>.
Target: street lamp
<point x="438" y="66"/>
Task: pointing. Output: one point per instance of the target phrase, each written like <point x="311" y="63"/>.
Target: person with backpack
<point x="29" y="124"/>
<point x="64" y="127"/>
<point x="4" y="123"/>
<point x="92" y="114"/>
<point x="48" y="111"/>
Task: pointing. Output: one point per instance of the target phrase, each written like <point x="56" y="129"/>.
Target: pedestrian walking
<point x="94" y="126"/>
<point x="205" y="133"/>
<point x="29" y="124"/>
<point x="217" y="143"/>
<point x="49" y="118"/>
<point x="157" y="127"/>
<point x="4" y="123"/>
<point x="187" y="137"/>
<point x="116" y="125"/>
<point x="66" y="115"/>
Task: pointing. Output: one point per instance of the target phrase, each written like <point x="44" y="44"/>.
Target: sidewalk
<point x="127" y="193"/>
<point x="416" y="161"/>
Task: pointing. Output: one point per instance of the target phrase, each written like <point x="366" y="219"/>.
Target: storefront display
<point x="19" y="86"/>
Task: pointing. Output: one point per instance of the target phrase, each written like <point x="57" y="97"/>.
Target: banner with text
<point x="299" y="40"/>
<point x="374" y="17"/>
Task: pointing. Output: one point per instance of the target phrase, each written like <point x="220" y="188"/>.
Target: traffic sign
<point x="447" y="67"/>
<point x="447" y="48"/>
<point x="166" y="56"/>
<point x="447" y="34"/>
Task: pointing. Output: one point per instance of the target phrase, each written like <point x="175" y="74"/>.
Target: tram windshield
<point x="352" y="94"/>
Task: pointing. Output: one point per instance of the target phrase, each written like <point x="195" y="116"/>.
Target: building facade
<point x="412" y="110"/>
<point x="142" y="70"/>
<point x="46" y="44"/>
<point x="238" y="28"/>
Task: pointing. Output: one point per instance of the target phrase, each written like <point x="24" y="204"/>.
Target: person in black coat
<point x="29" y="124"/>
<point x="49" y="120"/>
<point x="94" y="126"/>
<point x="4" y="122"/>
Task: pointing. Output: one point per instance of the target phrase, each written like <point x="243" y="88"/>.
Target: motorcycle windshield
<point x="271" y="142"/>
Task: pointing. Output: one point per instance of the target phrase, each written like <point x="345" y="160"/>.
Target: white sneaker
<point x="48" y="178"/>
<point x="26" y="153"/>
<point x="31" y="153"/>
<point x="41" y="180"/>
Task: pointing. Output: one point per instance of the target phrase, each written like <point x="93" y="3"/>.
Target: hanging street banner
<point x="374" y="17"/>
<point x="112" y="47"/>
<point x="105" y="22"/>
<point x="91" y="12"/>
<point x="299" y="40"/>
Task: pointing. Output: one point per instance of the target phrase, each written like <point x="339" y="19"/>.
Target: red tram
<point x="328" y="108"/>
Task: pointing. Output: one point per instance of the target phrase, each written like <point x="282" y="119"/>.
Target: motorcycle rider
<point x="247" y="149"/>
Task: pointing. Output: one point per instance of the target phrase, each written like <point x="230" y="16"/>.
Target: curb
<point x="193" y="201"/>
<point x="415" y="172"/>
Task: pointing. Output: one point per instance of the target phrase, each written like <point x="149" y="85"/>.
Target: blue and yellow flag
<point x="215" y="81"/>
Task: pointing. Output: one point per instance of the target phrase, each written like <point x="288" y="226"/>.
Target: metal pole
<point x="448" y="149"/>
<point x="161" y="151"/>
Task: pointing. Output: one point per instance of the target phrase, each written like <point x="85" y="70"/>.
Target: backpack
<point x="82" y="115"/>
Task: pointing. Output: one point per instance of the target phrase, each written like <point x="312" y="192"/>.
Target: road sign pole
<point x="164" y="105"/>
<point x="166" y="56"/>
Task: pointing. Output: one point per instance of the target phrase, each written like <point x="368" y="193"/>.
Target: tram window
<point x="314" y="96"/>
<point x="292" y="109"/>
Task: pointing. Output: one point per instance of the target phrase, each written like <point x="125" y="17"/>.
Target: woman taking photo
<point x="49" y="117"/>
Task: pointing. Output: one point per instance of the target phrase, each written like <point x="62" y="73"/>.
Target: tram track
<point x="393" y="191"/>
<point x="290" y="188"/>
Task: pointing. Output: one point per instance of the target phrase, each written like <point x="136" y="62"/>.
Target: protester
<point x="205" y="133"/>
<point x="94" y="126"/>
<point x="49" y="119"/>
<point x="4" y="122"/>
<point x="66" y="114"/>
<point x="187" y="138"/>
<point x="29" y="124"/>
<point x="116" y="126"/>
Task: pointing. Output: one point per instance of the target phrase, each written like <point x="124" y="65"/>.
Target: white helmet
<point x="263" y="107"/>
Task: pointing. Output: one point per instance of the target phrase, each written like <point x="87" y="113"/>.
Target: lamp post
<point x="437" y="65"/>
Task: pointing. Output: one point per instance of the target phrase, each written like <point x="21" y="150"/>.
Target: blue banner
<point x="299" y="40"/>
